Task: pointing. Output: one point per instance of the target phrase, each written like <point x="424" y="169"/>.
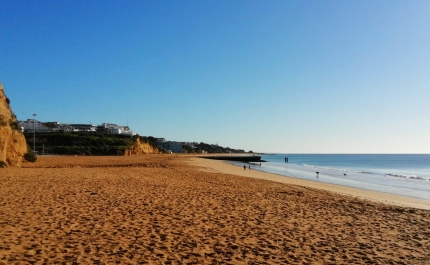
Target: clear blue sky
<point x="267" y="76"/>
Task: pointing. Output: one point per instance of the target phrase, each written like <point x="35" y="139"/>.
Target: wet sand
<point x="392" y="199"/>
<point x="156" y="209"/>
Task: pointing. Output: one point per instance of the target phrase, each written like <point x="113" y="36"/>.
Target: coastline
<point x="374" y="196"/>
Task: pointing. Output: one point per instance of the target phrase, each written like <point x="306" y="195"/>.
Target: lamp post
<point x="34" y="133"/>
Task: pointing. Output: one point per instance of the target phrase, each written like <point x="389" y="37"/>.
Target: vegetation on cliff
<point x="209" y="148"/>
<point x="80" y="143"/>
<point x="84" y="143"/>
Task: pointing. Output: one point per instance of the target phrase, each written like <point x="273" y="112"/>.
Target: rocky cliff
<point x="140" y="147"/>
<point x="12" y="142"/>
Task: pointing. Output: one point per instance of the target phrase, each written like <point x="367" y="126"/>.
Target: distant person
<point x="249" y="167"/>
<point x="244" y="167"/>
<point x="285" y="160"/>
<point x="318" y="174"/>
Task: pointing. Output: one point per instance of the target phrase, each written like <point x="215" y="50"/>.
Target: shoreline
<point x="220" y="166"/>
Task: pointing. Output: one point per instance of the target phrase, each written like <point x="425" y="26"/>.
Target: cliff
<point x="140" y="147"/>
<point x="12" y="141"/>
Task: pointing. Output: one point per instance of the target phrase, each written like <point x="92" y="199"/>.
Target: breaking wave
<point x="407" y="177"/>
<point x="390" y="175"/>
<point x="338" y="169"/>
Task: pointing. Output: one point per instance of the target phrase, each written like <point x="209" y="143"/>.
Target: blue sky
<point x="266" y="76"/>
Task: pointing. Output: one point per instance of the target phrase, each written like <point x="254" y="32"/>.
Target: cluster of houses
<point x="33" y="125"/>
<point x="177" y="147"/>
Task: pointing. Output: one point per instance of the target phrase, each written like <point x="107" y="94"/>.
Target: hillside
<point x="90" y="144"/>
<point x="84" y="143"/>
<point x="13" y="146"/>
<point x="210" y="148"/>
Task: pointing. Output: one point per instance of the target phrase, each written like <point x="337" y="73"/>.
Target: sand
<point x="159" y="209"/>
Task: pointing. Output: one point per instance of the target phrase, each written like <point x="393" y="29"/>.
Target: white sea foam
<point x="391" y="175"/>
<point x="407" y="177"/>
<point x="338" y="169"/>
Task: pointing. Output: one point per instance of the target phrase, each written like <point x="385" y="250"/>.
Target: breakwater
<point x="243" y="158"/>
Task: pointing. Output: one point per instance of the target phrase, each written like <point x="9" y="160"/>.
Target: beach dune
<point x="166" y="209"/>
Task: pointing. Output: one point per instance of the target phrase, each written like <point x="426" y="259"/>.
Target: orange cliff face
<point x="140" y="148"/>
<point x="13" y="145"/>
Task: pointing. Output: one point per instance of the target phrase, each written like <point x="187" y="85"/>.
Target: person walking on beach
<point x="249" y="167"/>
<point x="244" y="167"/>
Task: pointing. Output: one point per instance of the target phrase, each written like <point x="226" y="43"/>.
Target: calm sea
<point x="402" y="174"/>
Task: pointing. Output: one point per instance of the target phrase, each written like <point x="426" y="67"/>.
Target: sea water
<point x="402" y="174"/>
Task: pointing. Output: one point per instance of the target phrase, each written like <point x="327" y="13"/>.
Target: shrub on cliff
<point x="30" y="156"/>
<point x="14" y="125"/>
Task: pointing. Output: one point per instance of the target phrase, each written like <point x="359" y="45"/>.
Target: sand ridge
<point x="84" y="210"/>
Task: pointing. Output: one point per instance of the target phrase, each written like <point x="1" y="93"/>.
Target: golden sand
<point x="157" y="209"/>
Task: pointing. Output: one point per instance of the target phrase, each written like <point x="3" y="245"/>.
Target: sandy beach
<point x="167" y="209"/>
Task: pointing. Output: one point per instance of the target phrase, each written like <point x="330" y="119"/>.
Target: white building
<point x="175" y="147"/>
<point x="31" y="125"/>
<point x="115" y="129"/>
<point x="169" y="146"/>
<point x="83" y="127"/>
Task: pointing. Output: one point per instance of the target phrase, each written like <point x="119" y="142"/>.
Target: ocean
<point x="402" y="174"/>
